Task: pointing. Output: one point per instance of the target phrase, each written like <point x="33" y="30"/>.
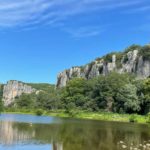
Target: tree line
<point x="119" y="93"/>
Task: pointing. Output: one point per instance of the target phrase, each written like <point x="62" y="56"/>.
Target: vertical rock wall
<point x="130" y="62"/>
<point x="13" y="89"/>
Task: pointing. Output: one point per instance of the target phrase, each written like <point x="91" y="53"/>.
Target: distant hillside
<point x="42" y="86"/>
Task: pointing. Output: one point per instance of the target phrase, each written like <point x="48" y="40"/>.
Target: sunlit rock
<point x="13" y="89"/>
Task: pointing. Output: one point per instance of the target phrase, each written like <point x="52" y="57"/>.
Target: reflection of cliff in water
<point x="10" y="134"/>
<point x="75" y="135"/>
<point x="57" y="146"/>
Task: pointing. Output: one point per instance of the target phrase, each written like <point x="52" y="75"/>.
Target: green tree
<point x="146" y="96"/>
<point x="48" y="101"/>
<point x="106" y="89"/>
<point x="127" y="99"/>
<point x="25" y="101"/>
<point x="74" y="93"/>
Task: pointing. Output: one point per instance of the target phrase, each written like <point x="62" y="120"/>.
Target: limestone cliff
<point x="13" y="89"/>
<point x="135" y="59"/>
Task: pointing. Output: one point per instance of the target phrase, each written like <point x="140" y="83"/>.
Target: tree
<point x="74" y="93"/>
<point x="146" y="96"/>
<point x="25" y="101"/>
<point x="127" y="99"/>
<point x="106" y="89"/>
<point x="48" y="101"/>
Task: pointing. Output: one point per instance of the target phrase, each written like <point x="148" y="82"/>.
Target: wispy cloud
<point x="85" y="31"/>
<point x="28" y="14"/>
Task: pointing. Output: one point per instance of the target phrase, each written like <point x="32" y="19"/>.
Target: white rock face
<point x="143" y="68"/>
<point x="13" y="89"/>
<point x="112" y="66"/>
<point x="133" y="64"/>
<point x="62" y="79"/>
<point x="94" y="71"/>
<point x="66" y="75"/>
<point x="130" y="65"/>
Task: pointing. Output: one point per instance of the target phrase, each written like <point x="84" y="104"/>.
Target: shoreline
<point x="99" y="116"/>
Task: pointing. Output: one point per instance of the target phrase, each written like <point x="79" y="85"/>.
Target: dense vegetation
<point x="145" y="52"/>
<point x="45" y="98"/>
<point x="118" y="93"/>
<point x="42" y="86"/>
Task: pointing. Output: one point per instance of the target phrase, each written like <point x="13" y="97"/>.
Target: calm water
<point x="27" y="132"/>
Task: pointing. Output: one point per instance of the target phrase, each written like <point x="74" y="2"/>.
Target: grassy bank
<point x="103" y="116"/>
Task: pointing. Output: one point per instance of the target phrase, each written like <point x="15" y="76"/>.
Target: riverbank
<point x="103" y="116"/>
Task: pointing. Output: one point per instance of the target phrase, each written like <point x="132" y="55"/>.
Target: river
<point x="29" y="132"/>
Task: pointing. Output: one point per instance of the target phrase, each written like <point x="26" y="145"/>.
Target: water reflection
<point x="72" y="135"/>
<point x="10" y="134"/>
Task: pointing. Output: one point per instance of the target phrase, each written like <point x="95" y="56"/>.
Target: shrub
<point x="39" y="112"/>
<point x="132" y="118"/>
<point x="73" y="113"/>
<point x="145" y="52"/>
<point x="132" y="48"/>
<point x="108" y="58"/>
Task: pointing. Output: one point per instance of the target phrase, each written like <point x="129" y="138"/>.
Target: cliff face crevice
<point x="130" y="62"/>
<point x="13" y="89"/>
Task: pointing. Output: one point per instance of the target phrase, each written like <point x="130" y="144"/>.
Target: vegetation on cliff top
<point x="42" y="86"/>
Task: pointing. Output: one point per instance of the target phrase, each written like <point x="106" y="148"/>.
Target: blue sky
<point x="40" y="38"/>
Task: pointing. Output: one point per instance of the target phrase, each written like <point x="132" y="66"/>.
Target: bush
<point x="145" y="52"/>
<point x="132" y="48"/>
<point x="39" y="112"/>
<point x="73" y="113"/>
<point x="132" y="118"/>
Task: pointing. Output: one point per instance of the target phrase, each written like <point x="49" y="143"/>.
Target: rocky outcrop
<point x="131" y="62"/>
<point x="13" y="89"/>
<point x="66" y="75"/>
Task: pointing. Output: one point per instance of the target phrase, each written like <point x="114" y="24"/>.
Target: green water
<point x="27" y="132"/>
